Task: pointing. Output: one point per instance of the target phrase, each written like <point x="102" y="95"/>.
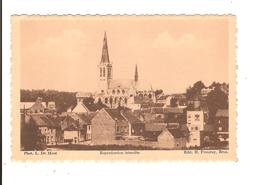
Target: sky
<point x="171" y="53"/>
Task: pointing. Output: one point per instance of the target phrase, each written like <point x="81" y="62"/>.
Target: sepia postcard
<point x="122" y="87"/>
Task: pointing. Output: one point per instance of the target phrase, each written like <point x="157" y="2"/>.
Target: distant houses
<point x="38" y="106"/>
<point x="172" y="122"/>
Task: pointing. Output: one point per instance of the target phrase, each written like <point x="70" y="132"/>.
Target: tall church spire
<point x="136" y="73"/>
<point x="105" y="56"/>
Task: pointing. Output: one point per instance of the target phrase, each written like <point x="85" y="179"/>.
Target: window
<point x="113" y="92"/>
<point x="106" y="100"/>
<point x="117" y="129"/>
<point x="196" y="128"/>
<point x="123" y="91"/>
<point x="197" y="117"/>
<point x="104" y="72"/>
<point x="118" y="91"/>
<point x="109" y="72"/>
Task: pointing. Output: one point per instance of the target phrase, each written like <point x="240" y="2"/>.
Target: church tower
<point x="105" y="67"/>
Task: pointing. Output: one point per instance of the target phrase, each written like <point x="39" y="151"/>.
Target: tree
<point x="195" y="90"/>
<point x="158" y="92"/>
<point x="88" y="101"/>
<point x="216" y="99"/>
<point x="63" y="100"/>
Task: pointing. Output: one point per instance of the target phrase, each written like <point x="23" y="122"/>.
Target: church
<point x="115" y="92"/>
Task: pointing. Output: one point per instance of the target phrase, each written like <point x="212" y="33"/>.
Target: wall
<point x="103" y="128"/>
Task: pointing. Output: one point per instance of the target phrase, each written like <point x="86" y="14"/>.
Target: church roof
<point x="83" y="94"/>
<point x="121" y="84"/>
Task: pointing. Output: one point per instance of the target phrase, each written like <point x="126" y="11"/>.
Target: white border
<point x="245" y="170"/>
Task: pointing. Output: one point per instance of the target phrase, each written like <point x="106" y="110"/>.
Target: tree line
<point x="63" y="100"/>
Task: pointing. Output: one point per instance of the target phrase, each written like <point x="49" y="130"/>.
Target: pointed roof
<point x="136" y="73"/>
<point x="105" y="56"/>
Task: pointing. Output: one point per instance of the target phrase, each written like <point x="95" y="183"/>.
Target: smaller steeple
<point x="136" y="73"/>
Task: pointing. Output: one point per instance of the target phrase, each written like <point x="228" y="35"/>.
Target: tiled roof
<point x="42" y="120"/>
<point x="69" y="124"/>
<point x="151" y="127"/>
<point x="177" y="133"/>
<point x="121" y="84"/>
<point x="83" y="94"/>
<point x="93" y="107"/>
<point x="38" y="106"/>
<point x="123" y="116"/>
<point x="115" y="114"/>
<point x="222" y="113"/>
<point x="161" y="110"/>
<point x="142" y="100"/>
<point x="131" y="117"/>
<point x="26" y="105"/>
<point x="85" y="118"/>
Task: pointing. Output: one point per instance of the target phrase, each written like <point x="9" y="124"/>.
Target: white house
<point x="195" y="124"/>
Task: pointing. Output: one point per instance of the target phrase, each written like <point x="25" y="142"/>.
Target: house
<point x="80" y="108"/>
<point x="138" y="102"/>
<point x="33" y="107"/>
<point x="171" y="139"/>
<point x="205" y="91"/>
<point x="222" y="124"/>
<point x="195" y="124"/>
<point x="153" y="130"/>
<point x="178" y="99"/>
<point x="51" y="106"/>
<point x="46" y="128"/>
<point x="109" y="125"/>
<point x="85" y="107"/>
<point x="76" y="127"/>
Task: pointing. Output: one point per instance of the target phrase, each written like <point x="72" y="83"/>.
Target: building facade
<point x="114" y="92"/>
<point x="195" y="124"/>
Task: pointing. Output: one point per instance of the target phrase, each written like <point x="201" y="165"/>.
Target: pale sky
<point x="171" y="53"/>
